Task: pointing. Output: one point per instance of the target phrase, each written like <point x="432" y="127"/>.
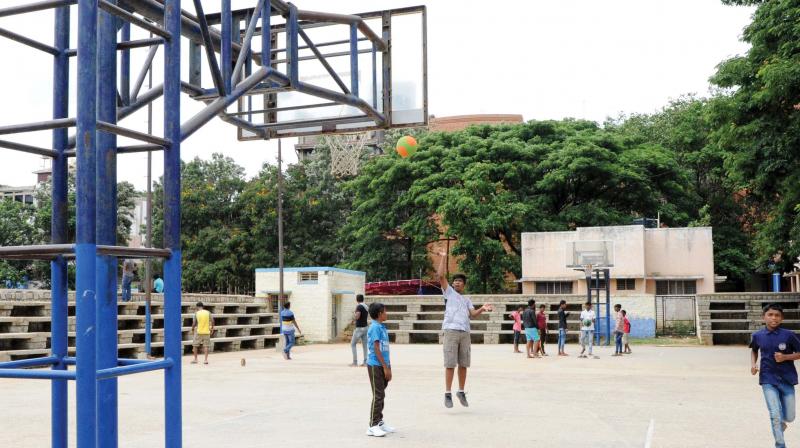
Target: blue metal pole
<point x="776" y="282"/>
<point x="148" y="328"/>
<point x="226" y="55"/>
<point x="34" y="362"/>
<point x="125" y="66"/>
<point x="291" y="46"/>
<point x="113" y="372"/>
<point x="266" y="35"/>
<point x="354" y="59"/>
<point x="58" y="232"/>
<point x="85" y="248"/>
<point x="106" y="230"/>
<point x="375" y="81"/>
<point x="173" y="322"/>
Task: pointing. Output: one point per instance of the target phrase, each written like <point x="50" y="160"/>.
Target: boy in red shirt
<point x="626" y="331"/>
<point x="541" y="321"/>
<point x="517" y="316"/>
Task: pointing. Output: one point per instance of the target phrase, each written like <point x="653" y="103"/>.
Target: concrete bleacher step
<point x="25" y="327"/>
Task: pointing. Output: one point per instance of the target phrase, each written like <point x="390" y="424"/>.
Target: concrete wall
<point x="641" y="311"/>
<point x="684" y="252"/>
<point x="644" y="255"/>
<point x="312" y="302"/>
<point x="730" y="318"/>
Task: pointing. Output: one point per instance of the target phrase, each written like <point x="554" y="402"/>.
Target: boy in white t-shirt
<point x="587" y="329"/>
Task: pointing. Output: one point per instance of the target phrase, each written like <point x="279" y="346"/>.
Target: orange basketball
<point x="406" y="146"/>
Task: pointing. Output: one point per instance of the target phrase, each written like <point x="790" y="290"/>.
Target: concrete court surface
<point x="683" y="396"/>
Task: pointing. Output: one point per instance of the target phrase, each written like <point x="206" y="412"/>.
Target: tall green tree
<point x="758" y="127"/>
<point x="17" y="228"/>
<point x="685" y="127"/>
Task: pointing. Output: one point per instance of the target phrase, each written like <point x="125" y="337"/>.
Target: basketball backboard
<point x="598" y="254"/>
<point x="392" y="81"/>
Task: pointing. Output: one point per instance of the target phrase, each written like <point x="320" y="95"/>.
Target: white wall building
<point x="323" y="298"/>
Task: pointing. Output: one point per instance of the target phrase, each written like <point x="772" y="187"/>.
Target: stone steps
<point x="25" y="327"/>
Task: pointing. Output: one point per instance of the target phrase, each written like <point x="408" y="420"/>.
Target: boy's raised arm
<point x="440" y="272"/>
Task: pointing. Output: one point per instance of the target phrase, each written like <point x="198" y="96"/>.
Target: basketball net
<point x="587" y="269"/>
<point x="346" y="152"/>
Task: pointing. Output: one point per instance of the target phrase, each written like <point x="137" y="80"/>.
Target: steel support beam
<point x="110" y="8"/>
<point x="216" y="75"/>
<point x="33" y="7"/>
<point x="59" y="218"/>
<point x="244" y="53"/>
<point x="29" y="42"/>
<point x="86" y="329"/>
<point x="323" y="61"/>
<point x="173" y="322"/>
<point x="148" y="63"/>
<point x="130" y="133"/>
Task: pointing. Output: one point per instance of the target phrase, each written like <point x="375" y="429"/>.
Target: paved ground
<point x="685" y="396"/>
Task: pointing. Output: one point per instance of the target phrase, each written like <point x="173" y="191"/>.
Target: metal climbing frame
<point x="105" y="97"/>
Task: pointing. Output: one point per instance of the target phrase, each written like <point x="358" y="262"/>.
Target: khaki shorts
<point x="457" y="349"/>
<point x="201" y="340"/>
<point x="624" y="338"/>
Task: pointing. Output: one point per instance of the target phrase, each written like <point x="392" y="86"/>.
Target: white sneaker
<point x="376" y="431"/>
<point x="386" y="428"/>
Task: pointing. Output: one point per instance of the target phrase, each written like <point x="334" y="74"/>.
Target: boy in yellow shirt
<point x="202" y="327"/>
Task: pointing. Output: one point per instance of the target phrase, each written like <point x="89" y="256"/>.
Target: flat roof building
<point x="664" y="261"/>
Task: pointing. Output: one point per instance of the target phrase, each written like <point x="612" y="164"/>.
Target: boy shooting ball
<point x="457" y="345"/>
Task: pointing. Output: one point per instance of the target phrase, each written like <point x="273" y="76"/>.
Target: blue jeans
<point x="289" y="341"/>
<point x="587" y="338"/>
<point x="618" y="340"/>
<point x="780" y="404"/>
<point x="126" y="288"/>
<point x="562" y="339"/>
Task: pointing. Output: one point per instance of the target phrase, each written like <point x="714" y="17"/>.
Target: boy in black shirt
<point x="562" y="327"/>
<point x="531" y="329"/>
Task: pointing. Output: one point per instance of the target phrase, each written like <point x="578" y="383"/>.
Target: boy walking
<point x="202" y="327"/>
<point x="379" y="369"/>
<point x="531" y="330"/>
<point x="458" y="311"/>
<point x="619" y="329"/>
<point x="779" y="348"/>
<point x="626" y="332"/>
<point x="587" y="330"/>
<point x="288" y="327"/>
<point x="562" y="327"/>
<point x="360" y="333"/>
<point x="541" y="324"/>
<point x="517" y="327"/>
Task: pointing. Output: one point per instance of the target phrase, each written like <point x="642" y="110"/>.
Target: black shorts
<point x="517" y="337"/>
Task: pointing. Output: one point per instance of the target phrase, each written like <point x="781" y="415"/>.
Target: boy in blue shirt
<point x="379" y="369"/>
<point x="779" y="348"/>
<point x="288" y="327"/>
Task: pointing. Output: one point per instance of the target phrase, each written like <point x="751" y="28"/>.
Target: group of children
<point x="534" y="325"/>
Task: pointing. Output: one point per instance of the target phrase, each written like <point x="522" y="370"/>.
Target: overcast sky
<point x="543" y="59"/>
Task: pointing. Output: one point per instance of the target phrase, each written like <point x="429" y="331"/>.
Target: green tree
<point x="758" y="128"/>
<point x="685" y="127"/>
<point x="17" y="229"/>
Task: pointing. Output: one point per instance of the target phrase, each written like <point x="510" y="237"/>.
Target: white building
<point x="322" y="298"/>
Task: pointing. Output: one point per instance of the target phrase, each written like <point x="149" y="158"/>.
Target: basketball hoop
<point x="346" y="150"/>
<point x="587" y="269"/>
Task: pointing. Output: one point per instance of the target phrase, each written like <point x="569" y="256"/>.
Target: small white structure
<point x="323" y="298"/>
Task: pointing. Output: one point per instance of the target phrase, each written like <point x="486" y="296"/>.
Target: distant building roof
<point x="459" y="122"/>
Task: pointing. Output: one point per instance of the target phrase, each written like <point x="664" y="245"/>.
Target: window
<point x="626" y="284"/>
<point x="276" y="304"/>
<point x="676" y="287"/>
<point x="553" y="287"/>
<point x="598" y="284"/>
<point x="308" y="277"/>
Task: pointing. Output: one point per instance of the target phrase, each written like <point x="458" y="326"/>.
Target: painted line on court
<point x="648" y="440"/>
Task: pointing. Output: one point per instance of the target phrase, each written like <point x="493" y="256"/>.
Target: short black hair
<point x="287" y="305"/>
<point x="531" y="302"/>
<point x="563" y="302"/>
<point x="375" y="310"/>
<point x="618" y="306"/>
<point x="460" y="276"/>
<point x="359" y="298"/>
<point x="199" y="304"/>
<point x="588" y="302"/>
<point x="773" y="306"/>
<point x="624" y="313"/>
<point x="541" y="306"/>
